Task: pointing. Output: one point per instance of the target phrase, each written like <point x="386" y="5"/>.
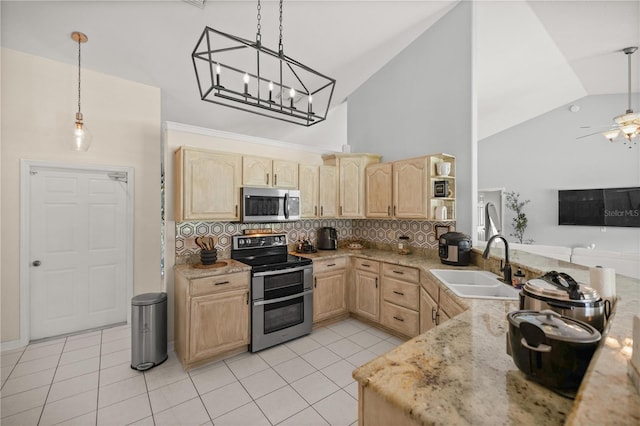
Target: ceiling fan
<point x="627" y="124"/>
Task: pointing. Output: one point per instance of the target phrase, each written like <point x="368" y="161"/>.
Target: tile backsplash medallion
<point x="378" y="233"/>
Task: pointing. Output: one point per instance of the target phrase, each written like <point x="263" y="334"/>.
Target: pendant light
<point x="245" y="75"/>
<point x="81" y="136"/>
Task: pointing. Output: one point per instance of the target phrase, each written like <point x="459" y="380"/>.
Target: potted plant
<point x="519" y="222"/>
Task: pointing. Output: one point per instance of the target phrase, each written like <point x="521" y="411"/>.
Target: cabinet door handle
<point x="247" y="298"/>
<point x="399" y="319"/>
<point x="398" y="272"/>
<point x="315" y="210"/>
<point x="315" y="282"/>
<point x="394" y="210"/>
<point x="267" y="178"/>
<point x="433" y="315"/>
<point x="236" y="210"/>
<point x="275" y="179"/>
<point x="398" y="292"/>
<point x="340" y="210"/>
<point x="376" y="282"/>
<point x="321" y="210"/>
<point x="222" y="283"/>
<point x="331" y="264"/>
<point x="388" y="210"/>
<point x="438" y="319"/>
<point x="366" y="265"/>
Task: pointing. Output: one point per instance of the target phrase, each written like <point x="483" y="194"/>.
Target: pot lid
<point x="561" y="286"/>
<point x="556" y="326"/>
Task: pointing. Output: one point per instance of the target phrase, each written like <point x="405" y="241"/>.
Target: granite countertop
<point x="231" y="266"/>
<point x="459" y="372"/>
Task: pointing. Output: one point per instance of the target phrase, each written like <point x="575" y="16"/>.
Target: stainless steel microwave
<point x="270" y="205"/>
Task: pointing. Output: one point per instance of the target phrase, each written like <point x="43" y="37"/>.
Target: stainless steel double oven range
<point x="281" y="289"/>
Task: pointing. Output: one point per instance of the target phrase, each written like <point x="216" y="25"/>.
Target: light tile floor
<point x="86" y="379"/>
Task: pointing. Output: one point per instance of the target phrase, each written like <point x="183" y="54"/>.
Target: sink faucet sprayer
<point x="507" y="266"/>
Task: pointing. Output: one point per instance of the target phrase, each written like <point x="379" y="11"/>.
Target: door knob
<point x="36" y="263"/>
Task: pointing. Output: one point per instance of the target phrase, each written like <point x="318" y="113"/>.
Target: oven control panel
<point x="254" y="241"/>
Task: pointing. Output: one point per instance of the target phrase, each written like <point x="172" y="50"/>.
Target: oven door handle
<point x="280" y="271"/>
<point x="281" y="299"/>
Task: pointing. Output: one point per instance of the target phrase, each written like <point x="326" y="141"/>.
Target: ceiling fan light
<point x="626" y="118"/>
<point x="611" y="134"/>
<point x="629" y="129"/>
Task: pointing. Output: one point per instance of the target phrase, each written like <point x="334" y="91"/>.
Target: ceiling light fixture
<point x="81" y="135"/>
<point x="245" y="75"/>
<point x="627" y="124"/>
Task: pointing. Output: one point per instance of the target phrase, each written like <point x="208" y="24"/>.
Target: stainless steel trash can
<point x="148" y="330"/>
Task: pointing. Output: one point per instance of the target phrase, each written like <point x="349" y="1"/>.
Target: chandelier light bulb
<point x="246" y="83"/>
<point x="292" y="95"/>
<point x="218" y="69"/>
<point x="271" y="86"/>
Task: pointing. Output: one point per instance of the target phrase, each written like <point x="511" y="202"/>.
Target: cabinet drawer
<point x="401" y="293"/>
<point x="326" y="265"/>
<point x="449" y="305"/>
<point x="401" y="272"/>
<point x="403" y="320"/>
<point x="238" y="280"/>
<point x="366" y="265"/>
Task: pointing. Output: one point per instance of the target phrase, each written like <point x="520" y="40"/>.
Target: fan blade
<point x="594" y="133"/>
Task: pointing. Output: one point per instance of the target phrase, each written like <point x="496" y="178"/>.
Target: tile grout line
<point x="146" y="386"/>
<point x="51" y="384"/>
<point x="99" y="370"/>
<point x="199" y="396"/>
<point x="14" y="367"/>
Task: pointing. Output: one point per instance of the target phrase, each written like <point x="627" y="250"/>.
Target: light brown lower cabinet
<point x="367" y="289"/>
<point x="329" y="288"/>
<point x="436" y="304"/>
<point x="374" y="410"/>
<point x="400" y="299"/>
<point x="211" y="316"/>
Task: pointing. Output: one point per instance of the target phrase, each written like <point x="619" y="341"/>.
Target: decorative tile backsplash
<point x="422" y="234"/>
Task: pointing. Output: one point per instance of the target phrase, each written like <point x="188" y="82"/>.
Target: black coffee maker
<point x="327" y="238"/>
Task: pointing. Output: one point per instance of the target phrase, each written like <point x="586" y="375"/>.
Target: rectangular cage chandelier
<point x="245" y="75"/>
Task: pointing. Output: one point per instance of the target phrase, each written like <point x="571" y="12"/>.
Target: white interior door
<point x="78" y="250"/>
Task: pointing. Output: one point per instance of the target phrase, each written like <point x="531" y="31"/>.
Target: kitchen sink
<point x="475" y="284"/>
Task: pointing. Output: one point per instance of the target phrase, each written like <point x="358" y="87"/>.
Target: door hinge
<point x="119" y="176"/>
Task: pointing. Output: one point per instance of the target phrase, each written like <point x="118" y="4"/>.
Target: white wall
<point x="422" y="102"/>
<point x="39" y="101"/>
<point x="542" y="155"/>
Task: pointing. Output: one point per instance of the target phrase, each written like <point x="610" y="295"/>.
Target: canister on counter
<point x="518" y="279"/>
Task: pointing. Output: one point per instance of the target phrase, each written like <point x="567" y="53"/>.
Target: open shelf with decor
<point x="442" y="187"/>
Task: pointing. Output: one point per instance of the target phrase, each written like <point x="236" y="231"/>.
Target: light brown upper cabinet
<point x="378" y="190"/>
<point x="328" y="191"/>
<point x="412" y="189"/>
<point x="207" y="185"/>
<point x="308" y="179"/>
<point x="269" y="173"/>
<point x="351" y="181"/>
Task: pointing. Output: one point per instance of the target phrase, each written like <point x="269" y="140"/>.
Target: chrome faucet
<point x="507" y="266"/>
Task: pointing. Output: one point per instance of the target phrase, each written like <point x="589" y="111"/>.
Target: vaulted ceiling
<point x="532" y="56"/>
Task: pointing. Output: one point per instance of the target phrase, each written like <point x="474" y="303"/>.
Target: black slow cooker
<point x="551" y="349"/>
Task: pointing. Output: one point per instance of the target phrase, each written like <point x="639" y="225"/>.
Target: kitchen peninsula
<point x="459" y="372"/>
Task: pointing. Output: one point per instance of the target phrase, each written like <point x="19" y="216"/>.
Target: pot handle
<point x="564" y="282"/>
<point x="540" y="348"/>
<point x="607" y="308"/>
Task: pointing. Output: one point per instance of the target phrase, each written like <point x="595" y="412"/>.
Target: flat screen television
<point x="600" y="207"/>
